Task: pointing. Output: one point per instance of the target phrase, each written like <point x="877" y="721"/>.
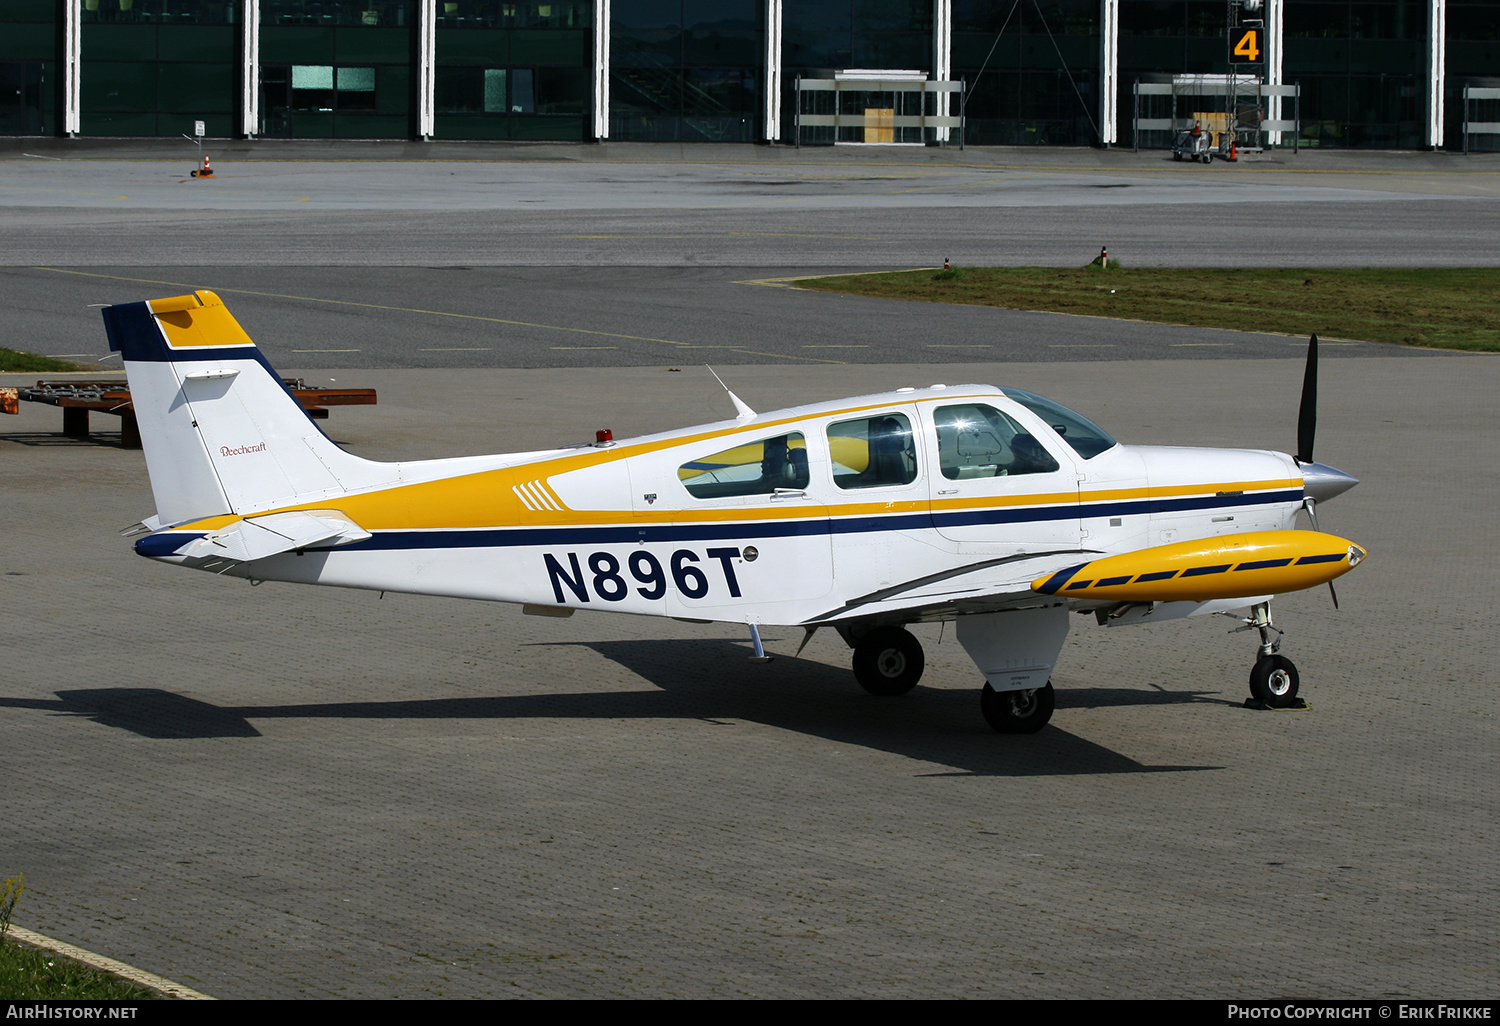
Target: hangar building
<point x="1385" y="74"/>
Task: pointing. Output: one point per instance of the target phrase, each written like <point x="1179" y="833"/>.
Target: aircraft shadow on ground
<point x="710" y="680"/>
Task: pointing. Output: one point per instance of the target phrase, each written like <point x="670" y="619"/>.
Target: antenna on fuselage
<point x="743" y="412"/>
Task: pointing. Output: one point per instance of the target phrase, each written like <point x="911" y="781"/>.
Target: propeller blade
<point x="1307" y="414"/>
<point x="1334" y="594"/>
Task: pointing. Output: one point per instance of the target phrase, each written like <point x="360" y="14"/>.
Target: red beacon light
<point x="603" y="437"/>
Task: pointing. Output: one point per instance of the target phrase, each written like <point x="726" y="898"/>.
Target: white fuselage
<point x="616" y="529"/>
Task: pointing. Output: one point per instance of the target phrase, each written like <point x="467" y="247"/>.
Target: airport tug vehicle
<point x="992" y="507"/>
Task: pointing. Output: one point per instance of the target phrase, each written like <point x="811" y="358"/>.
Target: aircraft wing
<point x="984" y="586"/>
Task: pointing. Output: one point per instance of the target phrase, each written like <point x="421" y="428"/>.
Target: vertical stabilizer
<point x="221" y="433"/>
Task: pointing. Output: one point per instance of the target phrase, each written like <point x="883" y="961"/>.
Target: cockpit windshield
<point x="1087" y="438"/>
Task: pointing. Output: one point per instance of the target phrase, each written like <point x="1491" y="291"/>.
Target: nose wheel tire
<point x="1274" y="681"/>
<point x="888" y="661"/>
<point x="1017" y="712"/>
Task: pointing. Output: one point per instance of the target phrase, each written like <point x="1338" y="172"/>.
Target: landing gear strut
<point x="888" y="661"/>
<point x="1274" y="679"/>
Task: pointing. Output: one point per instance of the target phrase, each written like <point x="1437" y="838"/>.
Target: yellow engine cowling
<point x="1230" y="566"/>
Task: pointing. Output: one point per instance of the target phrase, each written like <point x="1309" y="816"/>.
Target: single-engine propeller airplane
<point x="992" y="507"/>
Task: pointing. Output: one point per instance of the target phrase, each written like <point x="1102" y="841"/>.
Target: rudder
<point x="221" y="433"/>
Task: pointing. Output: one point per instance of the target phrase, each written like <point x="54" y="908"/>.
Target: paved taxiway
<point x="277" y="791"/>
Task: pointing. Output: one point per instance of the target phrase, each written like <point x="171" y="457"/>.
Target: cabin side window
<point x="755" y="468"/>
<point x="975" y="440"/>
<point x="873" y="452"/>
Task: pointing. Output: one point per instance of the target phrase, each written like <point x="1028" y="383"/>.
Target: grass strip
<point x="25" y="363"/>
<point x="29" y="974"/>
<point x="1446" y="308"/>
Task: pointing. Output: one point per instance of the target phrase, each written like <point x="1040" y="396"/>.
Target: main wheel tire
<point x="888" y="661"/>
<point x="1018" y="712"/>
<point x="1274" y="681"/>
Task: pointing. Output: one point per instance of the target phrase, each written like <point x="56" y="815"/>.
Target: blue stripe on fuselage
<point x="632" y="534"/>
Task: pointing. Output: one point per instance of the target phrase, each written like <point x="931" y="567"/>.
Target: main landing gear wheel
<point x="1274" y="681"/>
<point x="888" y="661"/>
<point x="1017" y="712"/>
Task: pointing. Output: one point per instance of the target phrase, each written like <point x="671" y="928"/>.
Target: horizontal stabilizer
<point x="1226" y="566"/>
<point x="245" y="541"/>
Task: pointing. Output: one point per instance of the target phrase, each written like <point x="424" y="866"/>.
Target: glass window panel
<point x="497" y="14"/>
<point x="473" y="46"/>
<point x="755" y="468"/>
<point x="979" y="441"/>
<point x="296" y="45"/>
<point x="723" y="48"/>
<point x="197" y="88"/>
<point x="522" y="95"/>
<point x="312" y="76"/>
<point x="359" y="93"/>
<point x="356" y="80"/>
<point x="28" y="40"/>
<point x="647" y="91"/>
<point x="459" y="90"/>
<point x="1473" y="21"/>
<point x="646" y="47"/>
<point x="873" y="452"/>
<point x="719" y="90"/>
<point x="373" y="46"/>
<point x="119" y="42"/>
<point x="1317" y="20"/>
<point x="539" y="46"/>
<point x="560" y="128"/>
<point x="892" y="15"/>
<point x="628" y="14"/>
<point x="31" y="10"/>
<point x="393" y="88"/>
<point x="892" y="50"/>
<point x="494" y="90"/>
<point x="1086" y="438"/>
<point x="818" y="50"/>
<point x="98" y="123"/>
<point x="198" y="43"/>
<point x="817" y="16"/>
<point x="158" y="12"/>
<point x="729" y="14"/>
<point x="397" y="13"/>
<point x="562" y="90"/>
<point x="111" y="86"/>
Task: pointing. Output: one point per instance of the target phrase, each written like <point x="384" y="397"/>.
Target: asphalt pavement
<point x="290" y="792"/>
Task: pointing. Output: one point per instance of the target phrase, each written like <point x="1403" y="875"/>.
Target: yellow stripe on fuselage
<point x="487" y="499"/>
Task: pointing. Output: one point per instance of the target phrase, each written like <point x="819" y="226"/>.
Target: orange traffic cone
<point x="206" y="171"/>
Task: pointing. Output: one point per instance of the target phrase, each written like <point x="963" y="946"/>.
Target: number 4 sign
<point x="1248" y="48"/>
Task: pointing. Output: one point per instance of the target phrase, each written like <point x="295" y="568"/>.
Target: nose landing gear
<point x="1273" y="679"/>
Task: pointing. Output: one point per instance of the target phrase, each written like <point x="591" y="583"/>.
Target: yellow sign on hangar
<point x="1248" y="46"/>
